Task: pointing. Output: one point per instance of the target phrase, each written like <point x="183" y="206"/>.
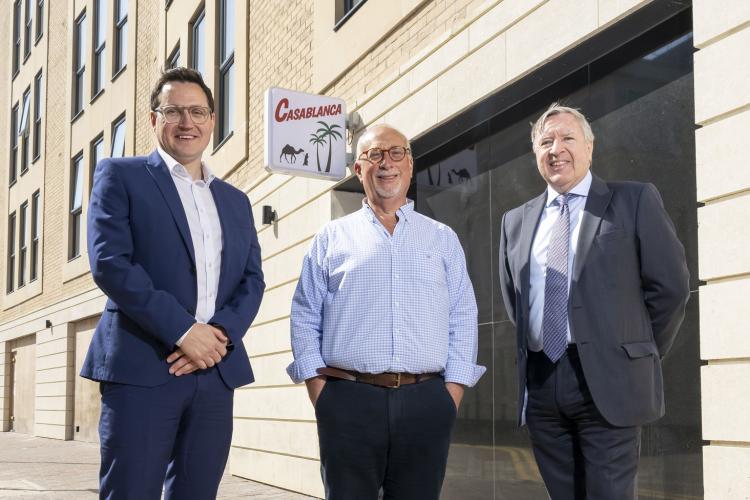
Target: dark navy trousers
<point x="374" y="437"/>
<point x="580" y="455"/>
<point x="174" y="436"/>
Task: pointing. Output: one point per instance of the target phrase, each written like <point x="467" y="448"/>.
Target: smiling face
<point x="386" y="182"/>
<point x="184" y="140"/>
<point x="563" y="155"/>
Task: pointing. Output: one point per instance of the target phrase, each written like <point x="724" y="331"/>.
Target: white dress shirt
<point x="538" y="268"/>
<point x="205" y="231"/>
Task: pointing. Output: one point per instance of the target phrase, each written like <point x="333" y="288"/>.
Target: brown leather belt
<point x="390" y="380"/>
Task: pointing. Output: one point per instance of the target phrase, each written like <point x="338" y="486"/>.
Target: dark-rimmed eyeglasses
<point x="173" y="114"/>
<point x="376" y="155"/>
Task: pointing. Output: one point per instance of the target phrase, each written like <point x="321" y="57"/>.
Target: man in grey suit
<point x="595" y="281"/>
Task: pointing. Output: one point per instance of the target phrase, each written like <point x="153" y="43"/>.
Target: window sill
<point x="38" y="38"/>
<point x="76" y="116"/>
<point x="23" y="172"/>
<point x="15" y="74"/>
<point x="26" y="57"/>
<point x="347" y="16"/>
<point x="96" y="96"/>
<point x="36" y="158"/>
<point x="12" y="183"/>
<point x="223" y="141"/>
<point x="119" y="72"/>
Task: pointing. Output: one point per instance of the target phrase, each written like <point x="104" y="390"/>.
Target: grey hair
<point x="555" y="109"/>
<point x="367" y="135"/>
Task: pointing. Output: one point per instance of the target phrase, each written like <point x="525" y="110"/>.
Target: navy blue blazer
<point x="142" y="257"/>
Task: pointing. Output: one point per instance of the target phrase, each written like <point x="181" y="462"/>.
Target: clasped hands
<point x="203" y="347"/>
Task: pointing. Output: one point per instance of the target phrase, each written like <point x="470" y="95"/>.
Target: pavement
<point x="39" y="468"/>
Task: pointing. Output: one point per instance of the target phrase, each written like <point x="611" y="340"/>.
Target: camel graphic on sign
<point x="289" y="152"/>
<point x="462" y="175"/>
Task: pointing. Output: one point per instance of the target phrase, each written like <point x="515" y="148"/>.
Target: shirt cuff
<point x="461" y="372"/>
<point x="305" y="367"/>
<point x="179" y="341"/>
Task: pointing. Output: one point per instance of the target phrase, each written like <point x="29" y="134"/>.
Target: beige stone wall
<point x="722" y="109"/>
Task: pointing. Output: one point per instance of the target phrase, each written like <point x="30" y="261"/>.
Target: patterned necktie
<point x="555" y="319"/>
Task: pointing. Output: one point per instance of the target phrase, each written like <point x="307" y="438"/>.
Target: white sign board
<point x="305" y="134"/>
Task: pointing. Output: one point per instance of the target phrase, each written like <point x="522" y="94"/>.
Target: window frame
<point x="98" y="75"/>
<point x="198" y="33"/>
<point x="94" y="158"/>
<point x="75" y="213"/>
<point x="34" y="237"/>
<point x="23" y="211"/>
<point x="344" y="10"/>
<point x="36" y="148"/>
<point x="120" y="58"/>
<point x="11" y="260"/>
<point x="13" y="167"/>
<point x="16" y="64"/>
<point x="28" y="28"/>
<point x="39" y="21"/>
<point x="225" y="77"/>
<point x="174" y="57"/>
<point x="24" y="132"/>
<point x="119" y="122"/>
<point x="79" y="64"/>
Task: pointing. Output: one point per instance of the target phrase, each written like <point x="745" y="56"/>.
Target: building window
<point x="198" y="43"/>
<point x="16" y="36"/>
<point x="76" y="206"/>
<point x="23" y="130"/>
<point x="80" y="64"/>
<point x="36" y="151"/>
<point x="345" y="9"/>
<point x="100" y="34"/>
<point x="11" y="269"/>
<point x="14" y="124"/>
<point x="22" y="244"/>
<point x="174" y="58"/>
<point x="28" y="28"/>
<point x="118" y="138"/>
<point x="226" y="69"/>
<point x="96" y="153"/>
<point x="39" y="19"/>
<point x="121" y="35"/>
<point x="35" y="225"/>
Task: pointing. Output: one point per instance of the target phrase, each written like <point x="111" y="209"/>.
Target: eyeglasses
<point x="173" y="114"/>
<point x="376" y="155"/>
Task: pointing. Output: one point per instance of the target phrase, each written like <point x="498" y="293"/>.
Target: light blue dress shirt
<point x="374" y="302"/>
<point x="538" y="263"/>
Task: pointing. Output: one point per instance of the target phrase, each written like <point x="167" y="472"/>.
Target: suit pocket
<point x="637" y="350"/>
<point x="615" y="235"/>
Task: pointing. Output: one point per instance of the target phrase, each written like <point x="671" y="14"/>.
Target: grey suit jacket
<point x="627" y="296"/>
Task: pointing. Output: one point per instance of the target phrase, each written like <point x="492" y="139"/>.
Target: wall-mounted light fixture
<point x="269" y="214"/>
<point x="47" y="323"/>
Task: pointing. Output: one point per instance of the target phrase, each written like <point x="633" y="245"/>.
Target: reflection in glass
<point x="640" y="104"/>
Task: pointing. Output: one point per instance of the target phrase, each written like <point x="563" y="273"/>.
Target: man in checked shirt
<point x="384" y="334"/>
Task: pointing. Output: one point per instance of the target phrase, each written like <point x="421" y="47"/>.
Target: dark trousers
<point x="580" y="455"/>
<point x="175" y="436"/>
<point x="373" y="437"/>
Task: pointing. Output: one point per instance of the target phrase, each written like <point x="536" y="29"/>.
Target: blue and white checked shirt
<point x="373" y="302"/>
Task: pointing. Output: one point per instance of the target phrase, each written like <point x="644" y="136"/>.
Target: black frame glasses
<point x="376" y="155"/>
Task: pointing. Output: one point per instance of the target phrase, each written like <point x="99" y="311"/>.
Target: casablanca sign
<point x="305" y="134"/>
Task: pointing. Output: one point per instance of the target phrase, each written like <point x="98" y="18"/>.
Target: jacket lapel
<point x="221" y="208"/>
<point x="160" y="173"/>
<point x="596" y="204"/>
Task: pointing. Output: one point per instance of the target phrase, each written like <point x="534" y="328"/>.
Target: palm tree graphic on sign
<point x="328" y="132"/>
<point x="317" y="140"/>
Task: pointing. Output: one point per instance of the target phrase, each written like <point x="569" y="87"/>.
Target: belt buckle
<point x="398" y="381"/>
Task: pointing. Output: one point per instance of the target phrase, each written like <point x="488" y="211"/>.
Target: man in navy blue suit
<point x="175" y="250"/>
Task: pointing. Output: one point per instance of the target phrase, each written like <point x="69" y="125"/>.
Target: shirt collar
<point x="172" y="165"/>
<point x="580" y="189"/>
<point x="404" y="212"/>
